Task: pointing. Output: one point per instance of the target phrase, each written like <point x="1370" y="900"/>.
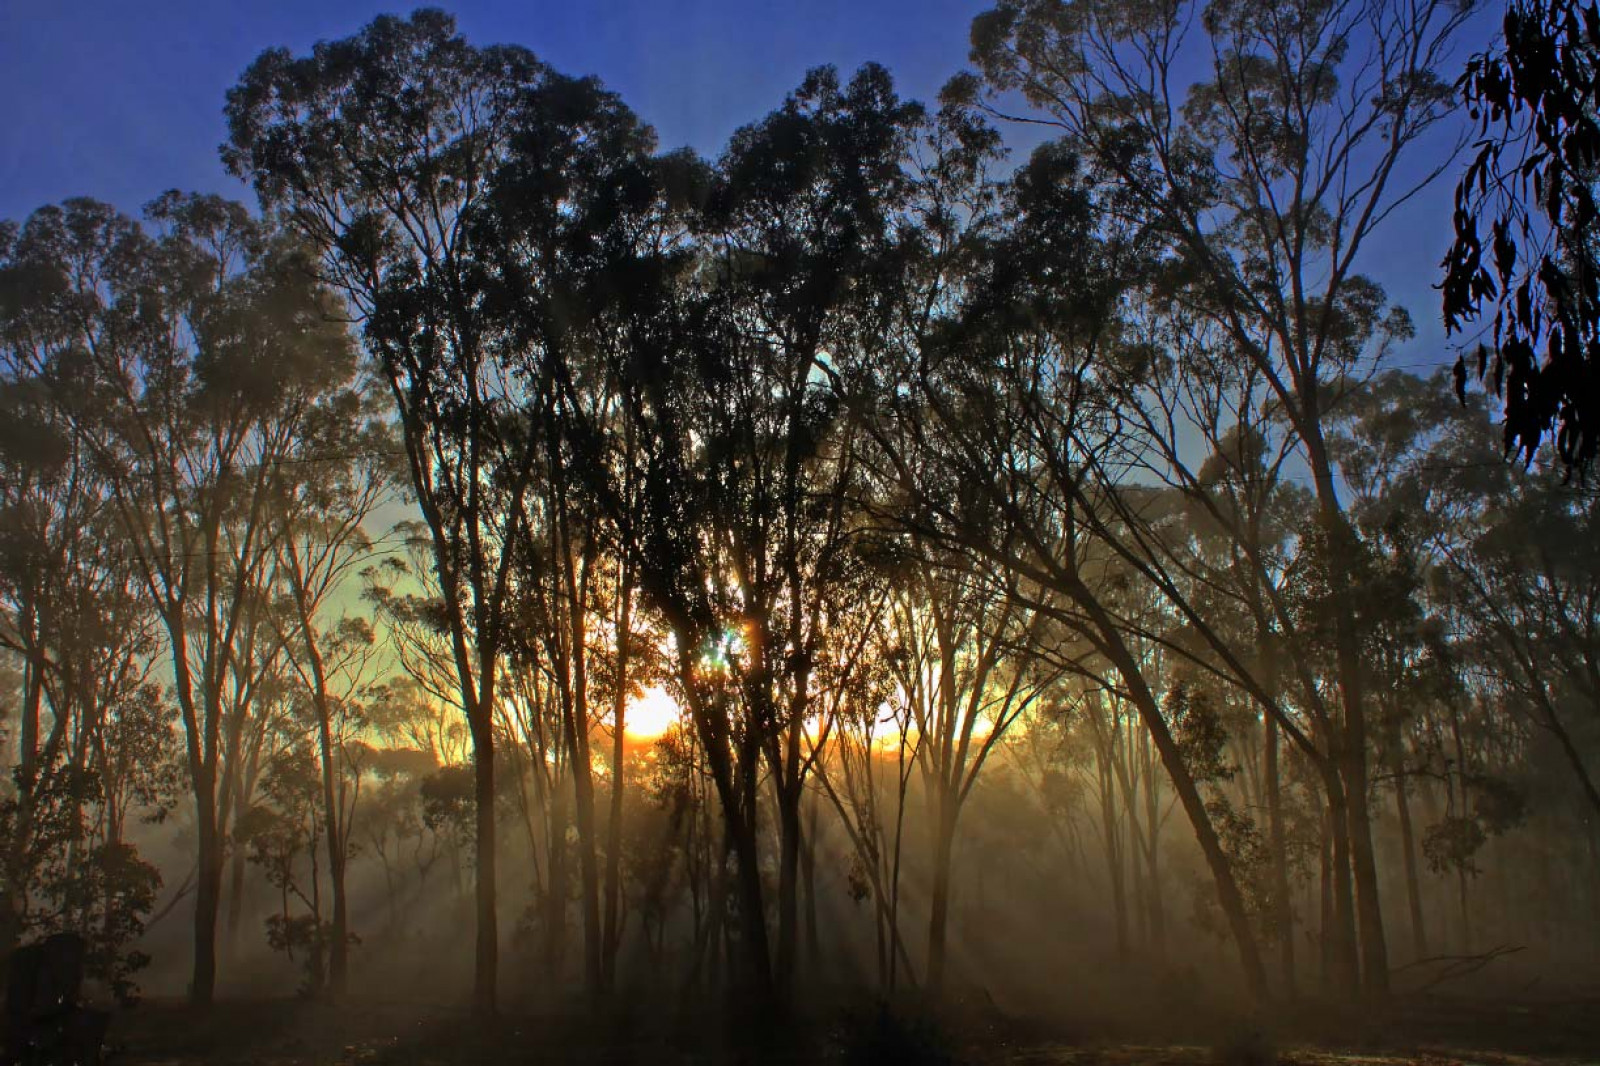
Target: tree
<point x="185" y="365"/>
<point x="94" y="742"/>
<point x="1312" y="109"/>
<point x="435" y="178"/>
<point x="347" y="471"/>
<point x="801" y="220"/>
<point x="973" y="659"/>
<point x="1009" y="396"/>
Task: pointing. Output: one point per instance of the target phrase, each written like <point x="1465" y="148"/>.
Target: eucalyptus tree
<point x="972" y="658"/>
<point x="379" y="148"/>
<point x="1507" y="556"/>
<point x="862" y="721"/>
<point x="52" y="549"/>
<point x="462" y="199"/>
<point x="1527" y="588"/>
<point x="576" y="214"/>
<point x="94" y="738"/>
<point x="747" y="467"/>
<point x="1009" y="396"/>
<point x="346" y="471"/>
<point x="1262" y="179"/>
<point x="1205" y="512"/>
<point x="186" y="364"/>
<point x="802" y="226"/>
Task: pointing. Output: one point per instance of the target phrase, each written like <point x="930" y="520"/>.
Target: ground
<point x="1426" y="1032"/>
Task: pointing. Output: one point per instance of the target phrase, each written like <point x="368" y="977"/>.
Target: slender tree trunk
<point x="208" y="890"/>
<point x="1280" y="859"/>
<point x="789" y="794"/>
<point x="613" y="886"/>
<point x="897" y="953"/>
<point x="1110" y="829"/>
<point x="1408" y="853"/>
<point x="1369" y="910"/>
<point x="487" y="955"/>
<point x="332" y="815"/>
<point x="1327" y="935"/>
<point x="1155" y="906"/>
<point x="789" y="844"/>
<point x="1458" y="804"/>
<point x="1352" y="763"/>
<point x="1341" y="936"/>
<point x="318" y="948"/>
<point x="588" y="860"/>
<point x="236" y="888"/>
<point x="757" y="976"/>
<point x="1136" y="870"/>
<point x="555" y="917"/>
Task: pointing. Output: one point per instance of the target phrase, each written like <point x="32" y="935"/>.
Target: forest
<point x="933" y="579"/>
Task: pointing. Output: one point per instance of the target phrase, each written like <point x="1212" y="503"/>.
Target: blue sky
<point x="122" y="99"/>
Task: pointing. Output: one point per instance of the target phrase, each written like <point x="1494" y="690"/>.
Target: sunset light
<point x="651" y="714"/>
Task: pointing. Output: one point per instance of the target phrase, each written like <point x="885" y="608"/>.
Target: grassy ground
<point x="1430" y="1032"/>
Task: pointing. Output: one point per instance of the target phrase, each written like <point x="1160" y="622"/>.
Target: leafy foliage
<point x="1535" y="99"/>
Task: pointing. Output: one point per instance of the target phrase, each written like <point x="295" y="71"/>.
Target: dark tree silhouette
<point x="469" y="202"/>
<point x="1525" y="247"/>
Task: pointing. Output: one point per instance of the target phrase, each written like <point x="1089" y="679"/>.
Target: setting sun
<point x="651" y="714"/>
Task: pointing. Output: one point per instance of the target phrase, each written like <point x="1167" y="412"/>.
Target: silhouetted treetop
<point x="1535" y="99"/>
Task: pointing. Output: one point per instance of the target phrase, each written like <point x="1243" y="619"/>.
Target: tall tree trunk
<point x="1340" y="936"/>
<point x="589" y="871"/>
<point x="789" y="843"/>
<point x="573" y="674"/>
<point x="1282" y="908"/>
<point x="1327" y="965"/>
<point x="1352" y="763"/>
<point x="788" y="794"/>
<point x="1111" y="831"/>
<point x="236" y="888"/>
<point x="1369" y="910"/>
<point x="1408" y="854"/>
<point x="555" y="900"/>
<point x="332" y="814"/>
<point x="757" y="962"/>
<point x="613" y="885"/>
<point x="757" y="958"/>
<point x="339" y="949"/>
<point x="208" y="890"/>
<point x="486" y="967"/>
